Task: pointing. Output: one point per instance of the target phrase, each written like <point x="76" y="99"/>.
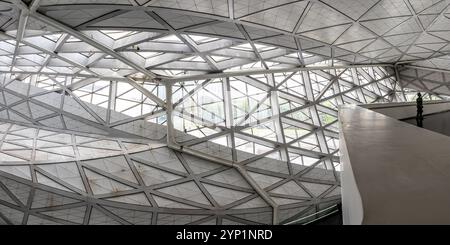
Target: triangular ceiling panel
<point x="427" y="6"/>
<point x="355" y="33"/>
<point x="356" y="46"/>
<point x="218" y="7"/>
<point x="248" y="7"/>
<point x="441" y="34"/>
<point x="221" y="29"/>
<point x="284" y="17"/>
<point x="116" y="166"/>
<point x="137" y="199"/>
<point x="352" y="8"/>
<point x="178" y="21"/>
<point x="231" y="177"/>
<point x="38" y="111"/>
<point x="48" y="199"/>
<point x="77" y="17"/>
<point x="71" y="214"/>
<point x="403" y="39"/>
<point x="132" y="216"/>
<point x="256" y="33"/>
<point x="377" y="45"/>
<point x="99" y="218"/>
<point x="5" y="197"/>
<point x="131" y="19"/>
<point x="432" y="46"/>
<point x="264" y="180"/>
<point x="321" y="16"/>
<point x="67" y="172"/>
<point x="42" y="179"/>
<point x="153" y="176"/>
<point x="427" y="38"/>
<point x="167" y="203"/>
<point x="290" y="189"/>
<point x="381" y="26"/>
<point x="328" y="35"/>
<point x="386" y="9"/>
<point x="188" y="190"/>
<point x="283" y="41"/>
<point x="101" y="184"/>
<point x="225" y="196"/>
<point x="19" y="171"/>
<point x="426" y="20"/>
<point x="408" y="26"/>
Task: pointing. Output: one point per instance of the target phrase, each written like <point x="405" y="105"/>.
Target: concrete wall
<point x="400" y="171"/>
<point x="352" y="209"/>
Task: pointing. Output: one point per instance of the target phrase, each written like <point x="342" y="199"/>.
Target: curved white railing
<point x="352" y="208"/>
<point x="393" y="172"/>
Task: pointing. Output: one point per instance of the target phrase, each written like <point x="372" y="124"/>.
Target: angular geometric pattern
<point x="166" y="36"/>
<point x="289" y="116"/>
<point x="120" y="193"/>
<point x="285" y="145"/>
<point x="136" y="181"/>
<point x="34" y="145"/>
<point x="197" y="112"/>
<point x="130" y="41"/>
<point x="434" y="82"/>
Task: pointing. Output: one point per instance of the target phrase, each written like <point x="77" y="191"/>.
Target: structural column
<point x="169" y="115"/>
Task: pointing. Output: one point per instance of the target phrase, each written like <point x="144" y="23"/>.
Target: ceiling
<point x="167" y="38"/>
<point x="91" y="66"/>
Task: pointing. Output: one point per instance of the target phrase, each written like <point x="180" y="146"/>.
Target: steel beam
<point x="259" y="72"/>
<point x="58" y="25"/>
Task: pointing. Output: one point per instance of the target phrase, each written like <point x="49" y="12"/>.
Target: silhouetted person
<point x="419" y="117"/>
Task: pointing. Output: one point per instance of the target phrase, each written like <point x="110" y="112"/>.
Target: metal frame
<point x="258" y="115"/>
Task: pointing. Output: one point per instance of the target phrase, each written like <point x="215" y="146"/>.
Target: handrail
<point x="401" y="104"/>
<point x="408" y="110"/>
<point x="335" y="207"/>
<point x="322" y="217"/>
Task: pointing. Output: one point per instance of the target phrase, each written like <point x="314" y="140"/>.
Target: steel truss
<point x="208" y="128"/>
